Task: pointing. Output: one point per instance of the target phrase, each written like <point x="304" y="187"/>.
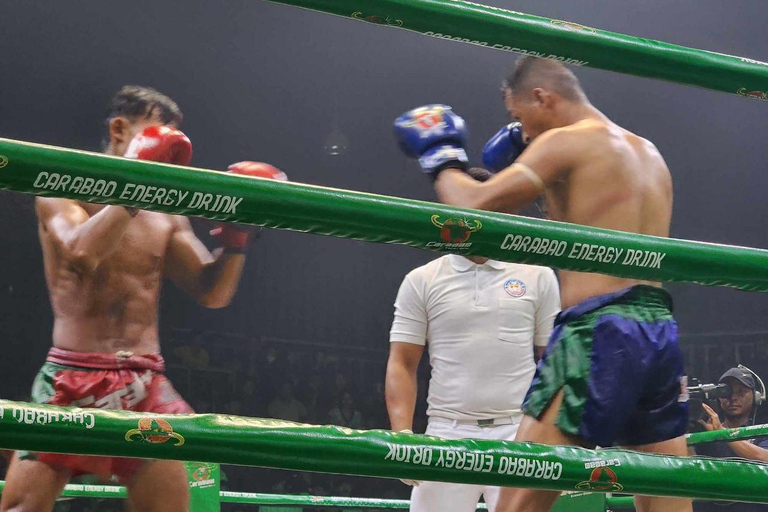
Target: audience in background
<point x="227" y="374"/>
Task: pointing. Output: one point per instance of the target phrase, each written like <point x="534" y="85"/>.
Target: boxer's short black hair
<point x="136" y="102"/>
<point x="532" y="72"/>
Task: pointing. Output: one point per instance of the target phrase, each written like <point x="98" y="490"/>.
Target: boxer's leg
<point x="31" y="486"/>
<point x="159" y="486"/>
<point x="677" y="447"/>
<point x="542" y="431"/>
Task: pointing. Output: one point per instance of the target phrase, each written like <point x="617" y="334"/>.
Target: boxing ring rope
<point x="571" y="43"/>
<point x="245" y="498"/>
<point x="732" y="434"/>
<point x="329" y="449"/>
<point x="253" y="498"/>
<point x="58" y="172"/>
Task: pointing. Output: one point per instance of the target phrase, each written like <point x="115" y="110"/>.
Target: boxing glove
<point x="504" y="147"/>
<point x="435" y="135"/>
<point x="161" y="144"/>
<point x="235" y="238"/>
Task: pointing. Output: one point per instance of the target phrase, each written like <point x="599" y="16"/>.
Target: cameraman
<point x="738" y="410"/>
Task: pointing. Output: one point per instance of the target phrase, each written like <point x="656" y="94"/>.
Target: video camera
<point x="698" y="394"/>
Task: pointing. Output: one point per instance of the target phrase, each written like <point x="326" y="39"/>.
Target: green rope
<point x="249" y="498"/>
<point x="58" y="172"/>
<point x="502" y="29"/>
<point x="617" y="502"/>
<point x="329" y="449"/>
<point x="732" y="434"/>
<point x="89" y="491"/>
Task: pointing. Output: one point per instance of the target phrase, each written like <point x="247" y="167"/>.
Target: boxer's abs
<point x="109" y="311"/>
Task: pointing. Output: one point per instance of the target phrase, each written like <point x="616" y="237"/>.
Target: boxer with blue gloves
<point x="589" y="388"/>
<point x="436" y="136"/>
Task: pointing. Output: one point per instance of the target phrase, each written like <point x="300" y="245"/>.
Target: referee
<point x="481" y="320"/>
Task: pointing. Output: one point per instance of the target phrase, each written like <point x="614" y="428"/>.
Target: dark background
<point x="266" y="82"/>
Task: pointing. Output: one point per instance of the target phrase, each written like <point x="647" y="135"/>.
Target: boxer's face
<point x="123" y="129"/>
<point x="740" y="402"/>
<point x="526" y="108"/>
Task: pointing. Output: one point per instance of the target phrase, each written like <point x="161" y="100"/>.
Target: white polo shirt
<point x="481" y="322"/>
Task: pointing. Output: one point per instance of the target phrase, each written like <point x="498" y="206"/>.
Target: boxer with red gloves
<point x="105" y="265"/>
<point x="235" y="238"/>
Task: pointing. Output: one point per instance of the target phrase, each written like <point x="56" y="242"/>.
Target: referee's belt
<point x="491" y="422"/>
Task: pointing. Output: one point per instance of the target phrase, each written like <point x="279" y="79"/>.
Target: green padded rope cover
<point x="571" y="43"/>
<point x="620" y="502"/>
<point x="732" y="434"/>
<point x="330" y="449"/>
<point x="568" y="502"/>
<point x="58" y="172"/>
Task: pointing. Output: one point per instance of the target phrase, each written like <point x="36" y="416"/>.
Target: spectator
<point x="345" y="414"/>
<point x="234" y="407"/>
<point x="737" y="411"/>
<point x="286" y="407"/>
<point x="247" y="394"/>
<point x="193" y="355"/>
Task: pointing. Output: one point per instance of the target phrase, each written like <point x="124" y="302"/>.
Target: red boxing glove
<point x="236" y="237"/>
<point x="161" y="144"/>
<point x="257" y="170"/>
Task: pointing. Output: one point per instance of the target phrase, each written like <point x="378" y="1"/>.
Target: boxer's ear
<point x="118" y="130"/>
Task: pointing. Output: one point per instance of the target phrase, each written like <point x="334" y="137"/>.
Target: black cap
<point x="740" y="375"/>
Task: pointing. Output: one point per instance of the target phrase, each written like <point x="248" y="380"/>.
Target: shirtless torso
<point x="613" y="180"/>
<point x="592" y="173"/>
<point x="613" y="371"/>
<point x="113" y="307"/>
<point x="110" y="305"/>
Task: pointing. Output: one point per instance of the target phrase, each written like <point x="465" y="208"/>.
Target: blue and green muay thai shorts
<point x="617" y="359"/>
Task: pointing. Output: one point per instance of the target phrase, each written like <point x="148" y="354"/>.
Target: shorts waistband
<point x="487" y="423"/>
<point x="640" y="295"/>
<point x="100" y="361"/>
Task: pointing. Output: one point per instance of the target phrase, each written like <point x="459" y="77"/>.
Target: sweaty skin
<point x="595" y="174"/>
<point x="110" y="303"/>
<point x="105" y="269"/>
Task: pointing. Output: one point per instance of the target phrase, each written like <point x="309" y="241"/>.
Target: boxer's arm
<point x="211" y="279"/>
<point x="544" y="161"/>
<point x="401" y="384"/>
<point x="85" y="241"/>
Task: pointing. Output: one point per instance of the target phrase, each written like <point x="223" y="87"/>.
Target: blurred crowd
<point x="300" y="381"/>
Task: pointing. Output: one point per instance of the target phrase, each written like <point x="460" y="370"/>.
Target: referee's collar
<point x="462" y="264"/>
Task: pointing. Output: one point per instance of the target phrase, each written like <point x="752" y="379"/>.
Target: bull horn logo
<point x="601" y="479"/>
<point x="3" y="161"/>
<point x="154" y="431"/>
<point x="758" y="95"/>
<point x="456" y="231"/>
<point x="378" y="20"/>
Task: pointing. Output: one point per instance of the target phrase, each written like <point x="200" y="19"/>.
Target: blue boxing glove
<point x="435" y="135"/>
<point x="504" y="147"/>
